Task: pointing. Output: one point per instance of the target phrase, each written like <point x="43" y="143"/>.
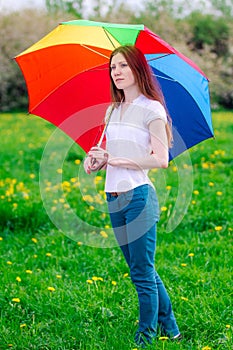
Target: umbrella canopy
<point x="66" y="73"/>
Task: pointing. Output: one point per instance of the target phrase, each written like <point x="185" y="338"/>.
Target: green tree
<point x="211" y="31"/>
<point x="78" y="9"/>
<point x="73" y="7"/>
<point x="225" y="7"/>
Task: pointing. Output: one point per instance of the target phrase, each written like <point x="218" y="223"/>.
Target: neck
<point x="131" y="95"/>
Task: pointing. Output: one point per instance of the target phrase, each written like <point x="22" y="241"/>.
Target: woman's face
<point x="121" y="73"/>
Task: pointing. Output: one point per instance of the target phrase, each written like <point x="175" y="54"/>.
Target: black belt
<point x="115" y="194"/>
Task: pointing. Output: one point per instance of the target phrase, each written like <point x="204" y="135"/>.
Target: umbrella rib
<point x="95" y="51"/>
<point x="105" y="31"/>
<point x="160" y="76"/>
<point x="157" y="58"/>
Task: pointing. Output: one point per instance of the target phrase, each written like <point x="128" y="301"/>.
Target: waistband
<point x="115" y="194"/>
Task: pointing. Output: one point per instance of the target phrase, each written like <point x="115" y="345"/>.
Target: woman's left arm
<point x="159" y="156"/>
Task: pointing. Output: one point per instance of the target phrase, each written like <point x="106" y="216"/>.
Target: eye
<point x="124" y="65"/>
<point x="112" y="67"/>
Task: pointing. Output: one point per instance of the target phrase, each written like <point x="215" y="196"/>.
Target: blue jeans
<point x="134" y="215"/>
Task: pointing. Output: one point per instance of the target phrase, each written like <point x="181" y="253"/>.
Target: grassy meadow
<point x="64" y="284"/>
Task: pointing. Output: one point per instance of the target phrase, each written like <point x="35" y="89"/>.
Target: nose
<point x="117" y="70"/>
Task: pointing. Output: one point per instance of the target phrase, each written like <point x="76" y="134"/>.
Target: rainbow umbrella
<point x="67" y="78"/>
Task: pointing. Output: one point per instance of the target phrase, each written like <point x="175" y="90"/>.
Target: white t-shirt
<point x="129" y="138"/>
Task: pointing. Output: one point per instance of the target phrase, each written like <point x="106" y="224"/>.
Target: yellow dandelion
<point x="100" y="279"/>
<point x="16" y="300"/>
<point x="18" y="279"/>
<point x="206" y="348"/>
<point x="125" y="275"/>
<point x="107" y="226"/>
<point x="191" y="254"/>
<point x="205" y="165"/>
<point x="98" y="179"/>
<point x="51" y="289"/>
<point x="1" y="239"/>
<point x="89" y="281"/>
<point x="77" y="161"/>
<point x="48" y="254"/>
<point x="61" y="200"/>
<point x="163" y="208"/>
<point x="218" y="228"/>
<point x="193" y="202"/>
<point x="59" y="171"/>
<point x="196" y="192"/>
<point x="219" y="193"/>
<point x="79" y="243"/>
<point x="183" y="265"/>
<point x="228" y="326"/>
<point x="183" y="298"/>
<point x="94" y="278"/>
<point x="23" y="325"/>
<point x="29" y="272"/>
<point x="168" y="188"/>
<point x="32" y="176"/>
<point x="15" y="205"/>
<point x="114" y="283"/>
<point x="26" y="196"/>
<point x="58" y="276"/>
<point x="34" y="240"/>
<point x="91" y="207"/>
<point x="103" y="234"/>
<point x="174" y="168"/>
<point x="35" y="256"/>
<point x="10" y="345"/>
<point x="163" y="338"/>
<point x="9" y="263"/>
<point x="211" y="184"/>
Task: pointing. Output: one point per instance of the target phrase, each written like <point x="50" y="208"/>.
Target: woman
<point x="138" y="137"/>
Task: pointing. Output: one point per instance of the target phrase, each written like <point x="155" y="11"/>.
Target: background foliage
<point x="206" y="36"/>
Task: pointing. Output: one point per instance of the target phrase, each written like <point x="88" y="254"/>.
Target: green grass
<point x="92" y="304"/>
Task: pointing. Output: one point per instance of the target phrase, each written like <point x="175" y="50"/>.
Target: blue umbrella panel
<point x="187" y="97"/>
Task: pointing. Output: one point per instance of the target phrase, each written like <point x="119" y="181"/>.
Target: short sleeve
<point x="155" y="110"/>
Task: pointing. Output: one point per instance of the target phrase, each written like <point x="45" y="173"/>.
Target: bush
<point x="19" y="30"/>
<point x="208" y="41"/>
<point x="211" y="31"/>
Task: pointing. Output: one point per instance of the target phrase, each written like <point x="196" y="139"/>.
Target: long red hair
<point x="147" y="83"/>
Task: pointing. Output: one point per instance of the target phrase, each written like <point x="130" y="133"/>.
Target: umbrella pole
<point x="105" y="127"/>
<point x="93" y="161"/>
